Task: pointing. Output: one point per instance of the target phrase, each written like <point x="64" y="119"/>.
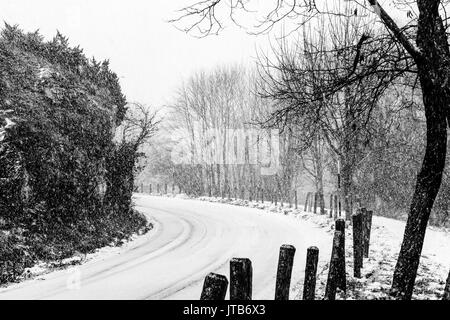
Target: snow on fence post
<point x="446" y="295"/>
<point x="367" y="229"/>
<point x="309" y="285"/>
<point x="341" y="279"/>
<point x="284" y="272"/>
<point x="306" y="202"/>
<point x="333" y="270"/>
<point x="214" y="287"/>
<point x="357" y="243"/>
<point x="240" y="279"/>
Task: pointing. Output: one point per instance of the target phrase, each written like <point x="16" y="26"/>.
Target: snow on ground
<point x="40" y="269"/>
<point x="191" y="238"/>
<point x="385" y="242"/>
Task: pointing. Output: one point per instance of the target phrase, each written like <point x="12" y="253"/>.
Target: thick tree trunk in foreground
<point x="427" y="187"/>
<point x="433" y="69"/>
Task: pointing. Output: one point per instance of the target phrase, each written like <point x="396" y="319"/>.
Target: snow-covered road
<point x="191" y="238"/>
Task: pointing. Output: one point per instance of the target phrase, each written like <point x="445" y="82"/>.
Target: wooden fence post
<point x="446" y="295"/>
<point x="340" y="225"/>
<point x="367" y="229"/>
<point x="315" y="202"/>
<point x="363" y="228"/>
<point x="333" y="270"/>
<point x="306" y="202"/>
<point x="295" y="199"/>
<point x="214" y="287"/>
<point x="240" y="279"/>
<point x="331" y="205"/>
<point x="309" y="285"/>
<point x="336" y="206"/>
<point x="357" y="243"/>
<point x="351" y="203"/>
<point x="284" y="272"/>
<point x="322" y="203"/>
<point x="342" y="275"/>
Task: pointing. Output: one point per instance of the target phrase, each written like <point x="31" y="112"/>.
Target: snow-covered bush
<point x="60" y="111"/>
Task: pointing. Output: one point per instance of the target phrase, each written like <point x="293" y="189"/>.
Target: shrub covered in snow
<point x="58" y="114"/>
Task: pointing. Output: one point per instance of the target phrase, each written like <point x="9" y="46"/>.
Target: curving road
<point x="191" y="238"/>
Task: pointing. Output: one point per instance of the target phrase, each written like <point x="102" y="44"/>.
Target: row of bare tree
<point x="355" y="88"/>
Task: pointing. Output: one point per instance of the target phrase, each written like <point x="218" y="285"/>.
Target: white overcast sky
<point x="150" y="55"/>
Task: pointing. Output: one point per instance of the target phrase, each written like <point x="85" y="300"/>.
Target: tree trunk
<point x="433" y="70"/>
<point x="427" y="187"/>
<point x="346" y="177"/>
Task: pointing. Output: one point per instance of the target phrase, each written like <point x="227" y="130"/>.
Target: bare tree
<point x="430" y="56"/>
<point x="307" y="82"/>
<point x="139" y="125"/>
